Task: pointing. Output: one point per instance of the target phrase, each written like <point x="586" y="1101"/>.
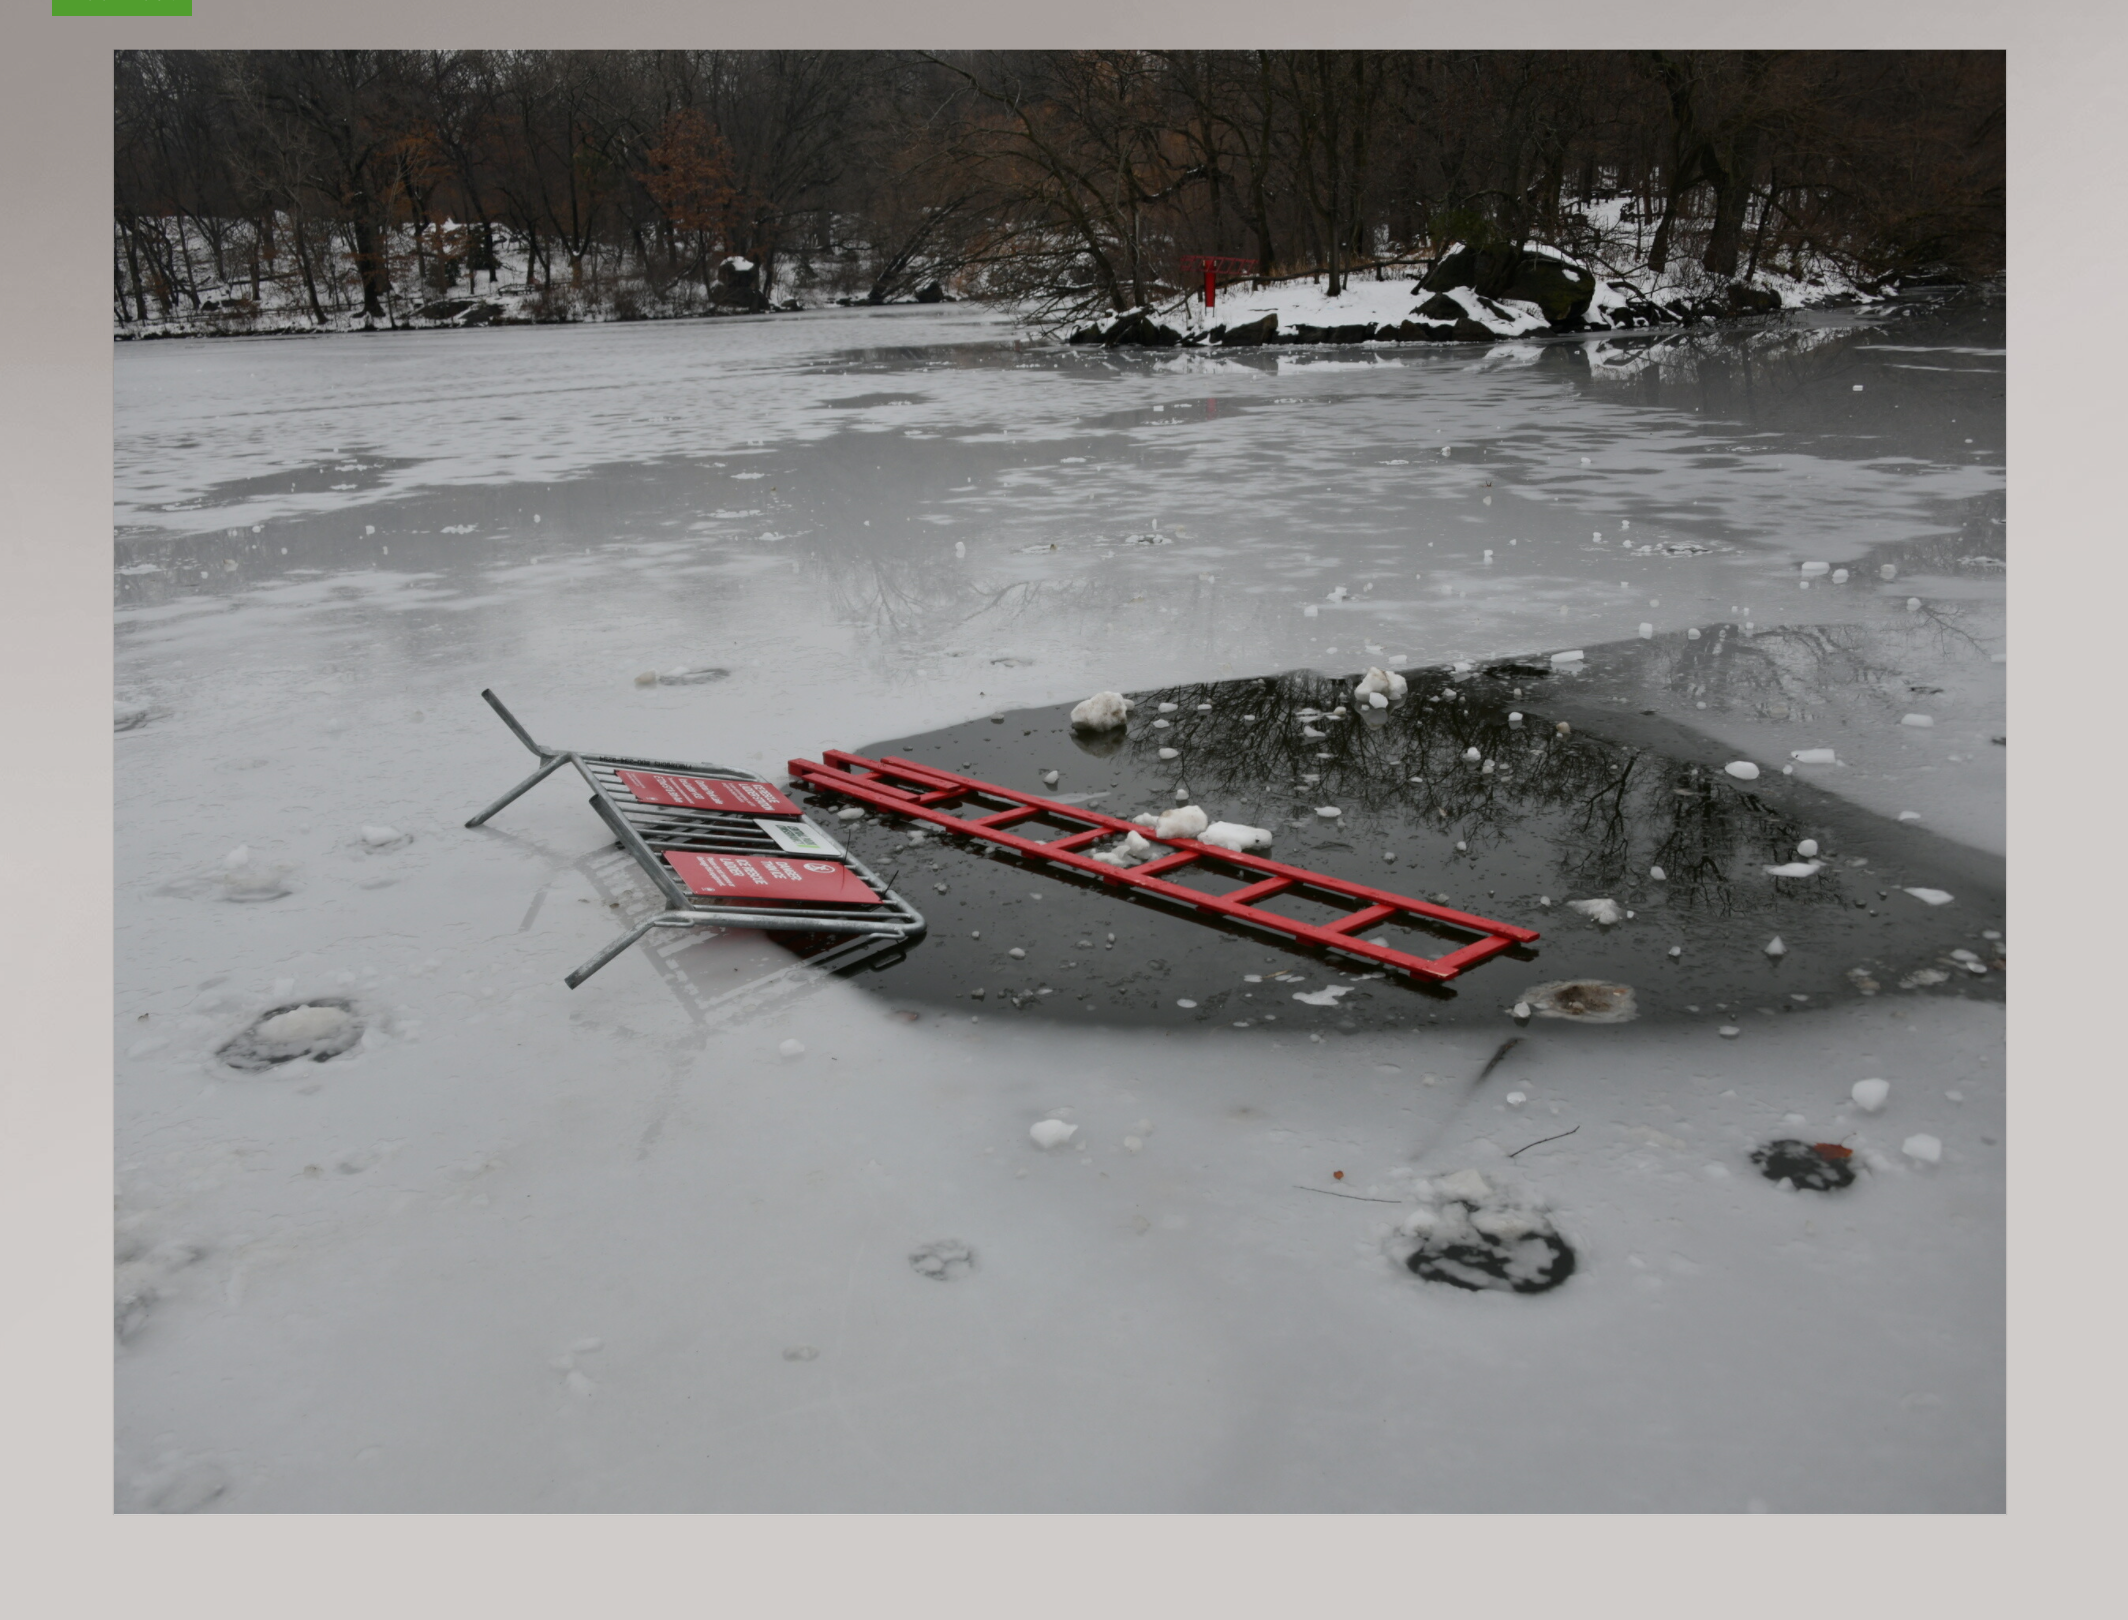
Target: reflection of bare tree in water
<point x="1774" y="356"/>
<point x="1608" y="810"/>
<point x="1796" y="672"/>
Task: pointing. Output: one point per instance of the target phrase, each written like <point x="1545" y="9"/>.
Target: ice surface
<point x="611" y="1162"/>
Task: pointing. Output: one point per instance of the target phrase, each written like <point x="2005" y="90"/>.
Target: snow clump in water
<point x="1604" y="913"/>
<point x="1585" y="1001"/>
<point x="1184" y="821"/>
<point x="1383" y="683"/>
<point x="1743" y="770"/>
<point x="1234" y="836"/>
<point x="1104" y="711"/>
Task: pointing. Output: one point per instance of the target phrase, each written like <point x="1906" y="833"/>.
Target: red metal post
<point x="1211" y="285"/>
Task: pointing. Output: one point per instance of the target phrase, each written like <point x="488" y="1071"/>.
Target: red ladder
<point x="904" y="788"/>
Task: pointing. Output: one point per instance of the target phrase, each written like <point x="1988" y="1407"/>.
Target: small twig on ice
<point x="1526" y="1146"/>
<point x="1356" y="1197"/>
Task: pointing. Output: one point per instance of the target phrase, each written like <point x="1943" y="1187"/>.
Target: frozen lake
<point x="524" y="1248"/>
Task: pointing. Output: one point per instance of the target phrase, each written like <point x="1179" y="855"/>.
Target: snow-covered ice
<point x="380" y="1256"/>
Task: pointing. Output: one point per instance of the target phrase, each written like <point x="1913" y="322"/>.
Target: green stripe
<point x="121" y="8"/>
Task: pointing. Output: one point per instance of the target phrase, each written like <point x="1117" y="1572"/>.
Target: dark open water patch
<point x="1577" y="815"/>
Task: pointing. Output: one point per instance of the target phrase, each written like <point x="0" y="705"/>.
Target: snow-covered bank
<point x="1474" y="297"/>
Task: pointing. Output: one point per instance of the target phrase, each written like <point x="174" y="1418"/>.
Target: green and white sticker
<point x="801" y="837"/>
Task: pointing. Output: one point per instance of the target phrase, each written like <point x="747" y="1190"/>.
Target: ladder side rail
<point x="857" y="788"/>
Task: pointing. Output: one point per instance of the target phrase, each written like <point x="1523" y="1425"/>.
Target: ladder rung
<point x="1366" y="917"/>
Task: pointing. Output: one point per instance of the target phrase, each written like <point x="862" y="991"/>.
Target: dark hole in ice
<point x="1531" y="1263"/>
<point x="320" y="1028"/>
<point x="1813" y="1167"/>
<point x="1583" y="815"/>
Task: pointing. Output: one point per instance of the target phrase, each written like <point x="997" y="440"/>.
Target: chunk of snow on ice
<point x="791" y="1049"/>
<point x="1776" y="946"/>
<point x="1729" y="1032"/>
<point x="1796" y="869"/>
<point x="1571" y="657"/>
<point x="1658" y="874"/>
<point x="305" y="1024"/>
<point x="1464" y="1187"/>
<point x="1647" y="631"/>
<point x="1170" y="753"/>
<point x="1931" y="897"/>
<point x="1186" y="1004"/>
<point x="1051" y="1133"/>
<point x="1817" y="568"/>
<point x="1471" y="756"/>
<point x="1329" y="812"/>
<point x="1813" y="756"/>
<point x="379" y="837"/>
<point x="1910" y="815"/>
<point x="1917" y="720"/>
<point x="1743" y="770"/>
<point x="1839" y="576"/>
<point x="1807" y="848"/>
<point x="1922" y="1148"/>
<point x="1870" y="1095"/>
<point x="240" y="856"/>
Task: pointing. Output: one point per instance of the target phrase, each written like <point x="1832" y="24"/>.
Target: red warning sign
<point x="767" y="878"/>
<point x="708" y="793"/>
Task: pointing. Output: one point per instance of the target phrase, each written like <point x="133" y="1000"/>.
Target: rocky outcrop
<point x="1249" y="335"/>
<point x="461" y="311"/>
<point x="1358" y="333"/>
<point x="1560" y="289"/>
<point x="931" y="293"/>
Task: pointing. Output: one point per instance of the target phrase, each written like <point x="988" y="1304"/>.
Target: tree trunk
<point x="1758" y="237"/>
<point x="1733" y="172"/>
<point x="140" y="296"/>
<point x="310" y="284"/>
<point x="369" y="262"/>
